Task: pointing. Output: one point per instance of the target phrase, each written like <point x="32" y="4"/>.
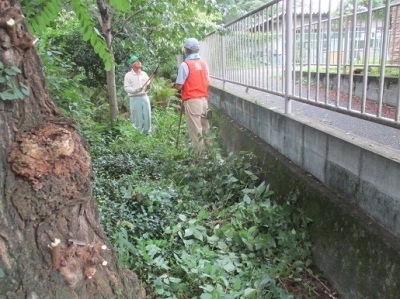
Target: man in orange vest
<point x="193" y="81"/>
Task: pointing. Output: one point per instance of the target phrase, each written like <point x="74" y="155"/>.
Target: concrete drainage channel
<point x="356" y="253"/>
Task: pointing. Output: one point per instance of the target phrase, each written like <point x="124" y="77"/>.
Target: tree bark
<point x="46" y="191"/>
<point x="105" y="21"/>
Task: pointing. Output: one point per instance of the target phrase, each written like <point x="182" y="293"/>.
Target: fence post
<point x="223" y="61"/>
<point x="289" y="56"/>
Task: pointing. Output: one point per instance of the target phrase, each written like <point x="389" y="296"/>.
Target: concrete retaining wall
<point x="390" y="85"/>
<point x="350" y="189"/>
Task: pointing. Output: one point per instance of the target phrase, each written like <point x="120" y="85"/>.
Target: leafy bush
<point x="163" y="93"/>
<point x="198" y="228"/>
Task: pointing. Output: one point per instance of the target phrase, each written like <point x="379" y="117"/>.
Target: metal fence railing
<point x="335" y="54"/>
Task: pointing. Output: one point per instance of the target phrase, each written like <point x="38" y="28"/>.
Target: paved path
<point x="376" y="133"/>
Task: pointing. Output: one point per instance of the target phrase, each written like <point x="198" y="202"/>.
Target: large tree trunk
<point x="45" y="192"/>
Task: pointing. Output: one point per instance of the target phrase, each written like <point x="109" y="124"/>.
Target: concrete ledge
<point x="366" y="175"/>
<point x="356" y="253"/>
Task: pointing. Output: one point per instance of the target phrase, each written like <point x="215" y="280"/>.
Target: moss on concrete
<point x="356" y="254"/>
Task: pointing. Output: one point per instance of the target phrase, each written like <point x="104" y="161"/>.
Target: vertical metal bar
<point x="247" y="46"/>
<point x="243" y="58"/>
<point x="255" y="43"/>
<point x="339" y="56"/>
<point x="375" y="43"/>
<point x="253" y="49"/>
<point x="328" y="52"/>
<point x="397" y="116"/>
<point x="352" y="51"/>
<point x="241" y="36"/>
<point x="232" y="46"/>
<point x="289" y="56"/>
<point x="259" y="48"/>
<point x="268" y="48"/>
<point x="238" y="59"/>
<point x="232" y="62"/>
<point x="277" y="48"/>
<point x="383" y="57"/>
<point x="319" y="49"/>
<point x="346" y="51"/>
<point x="223" y="60"/>
<point x="367" y="55"/>
<point x="212" y="50"/>
<point x="237" y="64"/>
<point x="394" y="31"/>
<point x="294" y="48"/>
<point x="273" y="49"/>
<point x="243" y="50"/>
<point x="284" y="28"/>
<point x="263" y="46"/>
<point x="309" y="51"/>
<point x="301" y="49"/>
<point x="227" y="40"/>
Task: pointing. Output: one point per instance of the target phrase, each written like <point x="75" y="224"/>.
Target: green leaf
<point x="198" y="235"/>
<point x="127" y="223"/>
<point x="249" y="292"/>
<point x="182" y="217"/>
<point x="86" y="34"/>
<point x="18" y="94"/>
<point x="8" y="95"/>
<point x="107" y="65"/>
<point x="252" y="175"/>
<point x="261" y="188"/>
<point x="10" y="72"/>
<point x="223" y="246"/>
<point x="46" y="15"/>
<point x="15" y="69"/>
<point x="232" y="179"/>
<point x="202" y="214"/>
<point x="237" y="284"/>
<point x="248" y="191"/>
<point x="175" y="280"/>
<point x="98" y="33"/>
<point x="188" y="232"/>
<point x="121" y="5"/>
<point x="213" y="239"/>
<point x="229" y="267"/>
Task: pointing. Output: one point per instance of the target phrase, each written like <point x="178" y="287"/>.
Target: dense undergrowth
<point x="195" y="227"/>
<point x="189" y="227"/>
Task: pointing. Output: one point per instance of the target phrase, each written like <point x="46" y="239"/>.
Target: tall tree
<point x="149" y="15"/>
<point x="106" y="14"/>
<point x="51" y="242"/>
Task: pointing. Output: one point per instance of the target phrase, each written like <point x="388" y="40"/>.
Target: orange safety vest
<point x="196" y="85"/>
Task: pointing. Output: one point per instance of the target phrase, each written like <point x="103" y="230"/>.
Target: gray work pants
<point x="141" y="113"/>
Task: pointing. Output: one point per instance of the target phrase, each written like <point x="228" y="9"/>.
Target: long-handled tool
<point x="151" y="77"/>
<point x="179" y="124"/>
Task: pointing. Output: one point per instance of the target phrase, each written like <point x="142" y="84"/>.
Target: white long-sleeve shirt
<point x="134" y="81"/>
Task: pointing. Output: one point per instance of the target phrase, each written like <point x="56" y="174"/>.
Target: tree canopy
<point x="151" y="27"/>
